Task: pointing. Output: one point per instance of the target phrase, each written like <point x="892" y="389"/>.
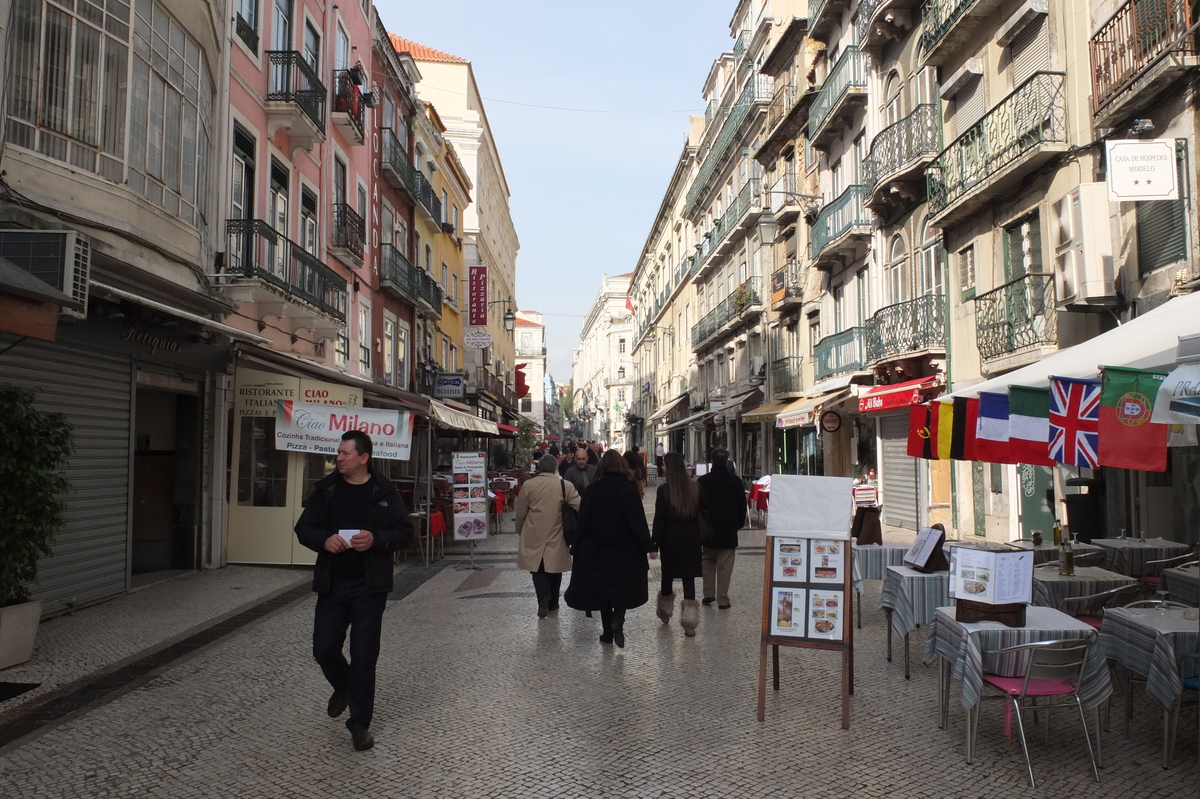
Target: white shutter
<point x="968" y="105"/>
<point x="1030" y="51"/>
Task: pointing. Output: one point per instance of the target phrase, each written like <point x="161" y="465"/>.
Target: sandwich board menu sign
<point x="990" y="577"/>
<point x="806" y="581"/>
<point x="469" y="488"/>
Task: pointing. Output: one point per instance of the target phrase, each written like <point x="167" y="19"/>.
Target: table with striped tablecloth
<point x="1050" y="588"/>
<point x="1045" y="552"/>
<point x="910" y="598"/>
<point x="1126" y="555"/>
<point x="871" y="562"/>
<point x="1183" y="584"/>
<point x="1151" y="642"/>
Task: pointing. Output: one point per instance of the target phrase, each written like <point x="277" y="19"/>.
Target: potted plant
<point x="33" y="492"/>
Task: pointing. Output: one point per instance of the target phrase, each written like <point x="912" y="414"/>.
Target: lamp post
<point x="509" y="318"/>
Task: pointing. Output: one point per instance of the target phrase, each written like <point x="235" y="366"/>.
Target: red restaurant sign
<point x="896" y="395"/>
<point x="477" y="295"/>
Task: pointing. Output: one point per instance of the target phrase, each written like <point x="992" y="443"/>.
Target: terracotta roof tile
<point x="421" y="52"/>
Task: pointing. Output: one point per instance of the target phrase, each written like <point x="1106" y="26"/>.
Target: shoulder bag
<point x="570" y="517"/>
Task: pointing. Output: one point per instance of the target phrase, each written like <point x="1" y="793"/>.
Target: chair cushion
<point x="1152" y="579"/>
<point x="1094" y="621"/>
<point x="1012" y="686"/>
<point x="1192" y="683"/>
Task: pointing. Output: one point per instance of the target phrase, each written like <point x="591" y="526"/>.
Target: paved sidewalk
<point x="479" y="698"/>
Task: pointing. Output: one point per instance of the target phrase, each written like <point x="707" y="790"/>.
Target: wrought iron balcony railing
<point x="1017" y="316"/>
<point x="786" y="284"/>
<point x="785" y="376"/>
<point x="918" y="135"/>
<point x="293" y="80"/>
<point x="396" y="162"/>
<point x="782" y="103"/>
<point x="745" y="298"/>
<point x="1032" y="115"/>
<point x="839" y="353"/>
<point x="937" y="19"/>
<point x="849" y="73"/>
<point x="843" y="215"/>
<point x="756" y="93"/>
<point x="1132" y="40"/>
<point x="531" y="352"/>
<point x="348" y="100"/>
<point x="257" y="250"/>
<point x="905" y="328"/>
<point x="398" y="274"/>
<point x="431" y="292"/>
<point x="349" y="230"/>
<point x="863" y="19"/>
<point x="247" y="33"/>
<point x="429" y="200"/>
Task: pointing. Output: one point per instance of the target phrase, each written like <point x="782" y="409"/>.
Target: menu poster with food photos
<point x="828" y="561"/>
<point x="825" y="613"/>
<point x="790" y="557"/>
<point x="787" y="611"/>
<point x="993" y="578"/>
<point x="469" y="491"/>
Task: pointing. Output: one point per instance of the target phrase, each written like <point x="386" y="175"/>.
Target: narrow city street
<point x="205" y="686"/>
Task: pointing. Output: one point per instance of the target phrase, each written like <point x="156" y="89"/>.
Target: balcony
<point x="839" y="354"/>
<point x="843" y="92"/>
<point x="729" y="230"/>
<point x="397" y="168"/>
<point x="785" y="376"/>
<point x="531" y="352"/>
<point x="787" y="287"/>
<point x="841" y="231"/>
<point x="1137" y="52"/>
<point x="895" y="168"/>
<point x="429" y="204"/>
<point x="486" y="381"/>
<point x="398" y="277"/>
<point x="783" y="197"/>
<point x="823" y="15"/>
<point x="1024" y="131"/>
<point x="1018" y="318"/>
<point x="277" y="274"/>
<point x="729" y="311"/>
<point x="754" y="97"/>
<point x="946" y="25"/>
<point x="787" y="116"/>
<point x="348" y="234"/>
<point x="429" y="295"/>
<point x="906" y="328"/>
<point x="880" y="21"/>
<point x="348" y="105"/>
<point x="247" y="33"/>
<point x="295" y="99"/>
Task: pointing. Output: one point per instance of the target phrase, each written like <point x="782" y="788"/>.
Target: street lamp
<point x="768" y="227"/>
<point x="510" y="318"/>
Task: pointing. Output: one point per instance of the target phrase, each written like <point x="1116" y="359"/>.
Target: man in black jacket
<point x="355" y="520"/>
<point x="725" y="499"/>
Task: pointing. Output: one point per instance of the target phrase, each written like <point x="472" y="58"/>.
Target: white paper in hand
<point x="348" y="534"/>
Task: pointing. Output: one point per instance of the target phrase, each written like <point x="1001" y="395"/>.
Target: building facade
<point x="602" y="374"/>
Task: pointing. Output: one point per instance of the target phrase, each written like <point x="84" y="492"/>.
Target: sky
<point x="589" y="105"/>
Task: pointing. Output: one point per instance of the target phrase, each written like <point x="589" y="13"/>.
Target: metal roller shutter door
<point x="93" y="390"/>
<point x="899" y="473"/>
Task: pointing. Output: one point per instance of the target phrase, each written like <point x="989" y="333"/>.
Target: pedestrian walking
<point x="726" y="504"/>
<point x="676" y="536"/>
<point x="354" y="520"/>
<point x="610" y="573"/>
<point x="637" y="467"/>
<point x="660" y="452"/>
<point x="543" y="552"/>
<point x="581" y="473"/>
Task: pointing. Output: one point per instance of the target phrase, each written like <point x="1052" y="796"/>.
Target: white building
<point x="529" y="335"/>
<point x="603" y="371"/>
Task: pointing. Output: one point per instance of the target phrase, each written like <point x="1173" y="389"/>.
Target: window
<point x="247" y="23"/>
<point x="1029" y="50"/>
<point x="242" y="177"/>
<point x="621" y="346"/>
<point x="389" y="349"/>
<point x="453" y="289"/>
<point x="526" y="405"/>
<point x="1023" y="247"/>
<point x="1162" y="225"/>
<point x="364" y="337"/>
<point x="454" y="218"/>
<point x="312" y="47"/>
<point x="277" y="214"/>
<point x="308" y="220"/>
<point x="282" y="25"/>
<point x="445" y="361"/>
<point x="620" y="396"/>
<point x="445" y="281"/>
<point x="814" y="332"/>
<point x="445" y="209"/>
<point x="897" y="262"/>
<point x="402" y="356"/>
<point x="339" y="181"/>
<point x="429" y="259"/>
<point x="966" y="272"/>
<point x="341" y="53"/>
<point x="262" y="469"/>
<point x="362" y="201"/>
<point x="453" y="365"/>
<point x="892" y="110"/>
<point x="932" y="262"/>
<point x="341" y="353"/>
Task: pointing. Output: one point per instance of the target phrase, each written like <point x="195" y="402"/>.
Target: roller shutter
<point x="898" y="473"/>
<point x="93" y="390"/>
<point x="1030" y="51"/>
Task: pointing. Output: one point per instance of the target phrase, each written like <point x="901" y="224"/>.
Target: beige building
<point x="603" y="373"/>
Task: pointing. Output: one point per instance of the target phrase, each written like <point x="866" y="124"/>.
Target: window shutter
<point x="1162" y="226"/>
<point x="1030" y="51"/>
<point x="968" y="105"/>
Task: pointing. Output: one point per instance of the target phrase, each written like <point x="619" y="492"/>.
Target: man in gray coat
<point x="582" y="474"/>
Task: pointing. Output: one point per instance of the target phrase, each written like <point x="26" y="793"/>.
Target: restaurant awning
<point x="804" y="412"/>
<point x="445" y="416"/>
<point x="768" y="412"/>
<point x="1146" y="342"/>
<point x="898" y="395"/>
<point x="747" y="399"/>
<point x="162" y="307"/>
<point x="696" y="417"/>
<point x="507" y="430"/>
<point x="667" y="407"/>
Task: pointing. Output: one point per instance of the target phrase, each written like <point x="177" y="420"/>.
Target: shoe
<point x="618" y="637"/>
<point x="722" y="607"/>
<point x="665" y="607"/>
<point x="338" y="701"/>
<point x="606" y="637"/>
<point x="708" y="600"/>
<point x="689" y="616"/>
<point x="553" y="606"/>
<point x="363" y="740"/>
<point x="543" y="610"/>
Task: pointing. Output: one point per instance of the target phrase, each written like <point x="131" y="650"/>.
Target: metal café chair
<point x="1055" y="670"/>
<point x="1152" y="570"/>
<point x="1090" y="609"/>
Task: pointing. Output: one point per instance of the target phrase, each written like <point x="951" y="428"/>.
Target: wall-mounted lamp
<point x="510" y="318"/>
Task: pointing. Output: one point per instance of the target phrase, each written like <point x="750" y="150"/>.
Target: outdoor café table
<point x="1152" y="642"/>
<point x="909" y="599"/>
<point x="1050" y="588"/>
<point x="1045" y="551"/>
<point x="1183" y="584"/>
<point x="871" y="562"/>
<point x="1126" y="555"/>
<point x="964" y="649"/>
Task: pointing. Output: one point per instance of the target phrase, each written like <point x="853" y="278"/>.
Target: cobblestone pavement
<point x="479" y="698"/>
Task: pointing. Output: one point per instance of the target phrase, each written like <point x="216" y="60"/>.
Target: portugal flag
<point x="1128" y="439"/>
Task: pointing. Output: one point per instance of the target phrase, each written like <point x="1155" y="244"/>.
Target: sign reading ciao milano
<point x="315" y="427"/>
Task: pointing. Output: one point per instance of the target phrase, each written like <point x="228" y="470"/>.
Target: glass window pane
<point x="56" y="59"/>
<point x="262" y="469"/>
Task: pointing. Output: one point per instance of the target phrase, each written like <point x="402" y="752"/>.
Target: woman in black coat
<point x="610" y="549"/>
<point x="677" y="537"/>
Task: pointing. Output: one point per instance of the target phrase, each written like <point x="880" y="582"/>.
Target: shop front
<point x="905" y="488"/>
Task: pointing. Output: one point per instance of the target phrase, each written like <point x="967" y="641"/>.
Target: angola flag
<point x="922" y="431"/>
<point x="1029" y="425"/>
<point x="1128" y="439"/>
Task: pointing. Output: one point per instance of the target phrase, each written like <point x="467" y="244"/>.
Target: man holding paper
<point x="354" y="521"/>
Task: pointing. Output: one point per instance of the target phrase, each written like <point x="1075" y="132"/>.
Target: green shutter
<point x="1162" y="226"/>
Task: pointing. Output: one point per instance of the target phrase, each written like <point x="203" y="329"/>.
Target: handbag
<point x="708" y="533"/>
<point x="570" y="517"/>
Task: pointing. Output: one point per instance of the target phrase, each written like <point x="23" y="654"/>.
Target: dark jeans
<point x="612" y="619"/>
<point x="547" y="586"/>
<point x="349" y="605"/>
<point x="689" y="587"/>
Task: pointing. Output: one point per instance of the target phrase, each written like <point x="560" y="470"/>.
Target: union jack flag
<point x="1074" y="420"/>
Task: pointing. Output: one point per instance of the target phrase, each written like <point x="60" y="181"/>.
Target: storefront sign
<point x="831" y="421"/>
<point x="313" y="427"/>
<point x="477" y="339"/>
<point x="799" y="418"/>
<point x="477" y="295"/>
<point x="1142" y="170"/>
<point x="469" y="481"/>
<point x="329" y="393"/>
<point x="258" y="393"/>
<point x="450" y="386"/>
<point x="140" y="334"/>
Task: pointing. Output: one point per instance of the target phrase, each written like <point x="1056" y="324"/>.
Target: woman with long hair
<point x="610" y="549"/>
<point x="677" y="537"/>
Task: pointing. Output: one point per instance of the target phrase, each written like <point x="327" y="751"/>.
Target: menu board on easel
<point x="469" y="489"/>
<point x="806" y="582"/>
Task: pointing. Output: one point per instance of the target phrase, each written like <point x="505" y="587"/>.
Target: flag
<point x="1029" y="425"/>
<point x="1074" y="420"/>
<point x="922" y="431"/>
<point x="1128" y="439"/>
<point x="991" y="429"/>
<point x="629" y="304"/>
<point x="956" y="428"/>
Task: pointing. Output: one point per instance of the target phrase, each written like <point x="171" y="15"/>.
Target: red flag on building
<point x="922" y="431"/>
<point x="629" y="304"/>
<point x="1128" y="439"/>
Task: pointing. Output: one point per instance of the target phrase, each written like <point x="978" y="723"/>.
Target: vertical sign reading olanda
<point x="477" y="294"/>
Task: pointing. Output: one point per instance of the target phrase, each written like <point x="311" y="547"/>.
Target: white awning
<point x="804" y="412"/>
<point x="445" y="416"/>
<point x="1145" y="342"/>
<point x="696" y="417"/>
<point x="669" y="406"/>
<point x="220" y="327"/>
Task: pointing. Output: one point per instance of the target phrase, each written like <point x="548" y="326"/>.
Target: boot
<point x="689" y="616"/>
<point x="666" y="607"/>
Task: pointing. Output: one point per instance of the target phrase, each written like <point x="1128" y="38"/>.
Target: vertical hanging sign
<point x="477" y="294"/>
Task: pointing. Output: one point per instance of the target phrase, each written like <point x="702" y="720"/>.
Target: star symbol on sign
<point x="1147" y="182"/>
<point x="1136" y="182"/>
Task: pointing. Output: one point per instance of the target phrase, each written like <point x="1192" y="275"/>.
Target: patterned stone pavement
<point x="478" y="698"/>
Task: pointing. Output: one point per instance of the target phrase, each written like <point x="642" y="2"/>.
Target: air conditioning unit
<point x="62" y="258"/>
<point x="1084" y="273"/>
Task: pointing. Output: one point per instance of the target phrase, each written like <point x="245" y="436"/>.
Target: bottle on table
<point x="1057" y="533"/>
<point x="1066" y="557"/>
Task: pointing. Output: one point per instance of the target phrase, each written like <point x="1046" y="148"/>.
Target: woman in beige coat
<point x="543" y="551"/>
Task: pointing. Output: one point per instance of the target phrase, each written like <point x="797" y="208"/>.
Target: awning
<point x="1146" y="342"/>
<point x="300" y="367"/>
<point x="747" y="399"/>
<point x="445" y="416"/>
<point x="671" y="405"/>
<point x="507" y="430"/>
<point x="898" y="395"/>
<point x="162" y="307"/>
<point x="696" y="417"/>
<point x="768" y="412"/>
<point x="804" y="412"/>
